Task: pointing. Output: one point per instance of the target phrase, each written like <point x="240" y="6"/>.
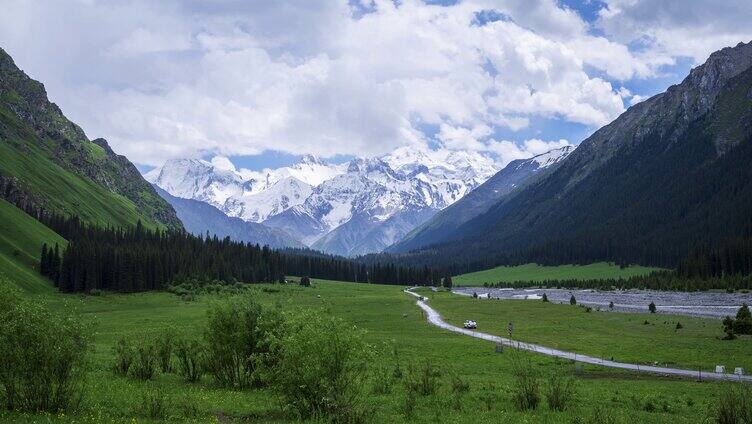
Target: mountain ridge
<point x="32" y="126"/>
<point x="666" y="176"/>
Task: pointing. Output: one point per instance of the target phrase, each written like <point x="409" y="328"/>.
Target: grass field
<point x="388" y="316"/>
<point x="535" y="272"/>
<point x="622" y="336"/>
<point x="21" y="239"/>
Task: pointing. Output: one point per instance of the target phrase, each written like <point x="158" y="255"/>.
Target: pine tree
<point x="44" y="261"/>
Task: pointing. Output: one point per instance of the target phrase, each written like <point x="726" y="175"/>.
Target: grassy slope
<point x="535" y="272"/>
<point x="22" y="156"/>
<point x="21" y="239"/>
<point x="388" y="315"/>
<point x="623" y="336"/>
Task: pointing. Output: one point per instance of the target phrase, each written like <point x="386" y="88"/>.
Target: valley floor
<point x="391" y="317"/>
<point x="535" y="272"/>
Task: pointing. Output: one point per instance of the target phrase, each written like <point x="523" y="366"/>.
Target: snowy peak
<point x="310" y="199"/>
<point x="552" y="157"/>
<point x="196" y="179"/>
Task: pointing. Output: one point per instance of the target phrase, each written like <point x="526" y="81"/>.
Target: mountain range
<point x="353" y="208"/>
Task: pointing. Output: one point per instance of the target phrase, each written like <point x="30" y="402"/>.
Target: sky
<point x="264" y="82"/>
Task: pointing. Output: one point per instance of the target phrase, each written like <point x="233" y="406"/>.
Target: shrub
<point x="728" y="328"/>
<point x="544" y="297"/>
<point x="154" y="404"/>
<point x="382" y="380"/>
<point x="679" y="326"/>
<point x="145" y="360"/>
<point x="164" y="347"/>
<point x="305" y="282"/>
<point x="459" y="387"/>
<point x="322" y="368"/>
<point x="423" y="379"/>
<point x="651" y="308"/>
<point x="601" y="415"/>
<point x="743" y="322"/>
<point x="489" y="396"/>
<point x="572" y="300"/>
<point x="238" y="336"/>
<point x="734" y="406"/>
<point x="124" y="356"/>
<point x="190" y="355"/>
<point x="525" y="388"/>
<point x="44" y="356"/>
<point x="560" y="393"/>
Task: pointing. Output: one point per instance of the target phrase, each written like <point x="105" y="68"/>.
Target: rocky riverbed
<point x="705" y="304"/>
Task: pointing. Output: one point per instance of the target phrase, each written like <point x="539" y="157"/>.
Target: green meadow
<point x="649" y="339"/>
<point x="399" y="334"/>
<point x="535" y="272"/>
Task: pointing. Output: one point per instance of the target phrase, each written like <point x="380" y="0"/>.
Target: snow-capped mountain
<point x="353" y="208"/>
<point x="442" y="225"/>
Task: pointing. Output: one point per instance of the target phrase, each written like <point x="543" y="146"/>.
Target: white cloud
<point x="171" y="79"/>
<point x="677" y="28"/>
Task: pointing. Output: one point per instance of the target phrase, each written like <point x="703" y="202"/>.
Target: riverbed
<point x="703" y="304"/>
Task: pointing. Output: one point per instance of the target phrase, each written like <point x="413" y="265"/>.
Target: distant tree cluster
<point x="731" y="258"/>
<point x="49" y="263"/>
<point x="659" y="280"/>
<point x="741" y="325"/>
<point x="140" y="259"/>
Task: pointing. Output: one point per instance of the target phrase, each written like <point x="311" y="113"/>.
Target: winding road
<point x="435" y="318"/>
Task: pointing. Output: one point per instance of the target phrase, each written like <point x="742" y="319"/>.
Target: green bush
<point x="164" y="346"/>
<point x="743" y="321"/>
<point x="560" y="393"/>
<point x="239" y="336"/>
<point x="460" y="387"/>
<point x="305" y="282"/>
<point x="43" y="356"/>
<point x="728" y="328"/>
<point x="322" y="368"/>
<point x="423" y="379"/>
<point x="124" y="356"/>
<point x="145" y="361"/>
<point x="525" y="386"/>
<point x="154" y="404"/>
<point x="190" y="355"/>
<point x="734" y="406"/>
<point x="651" y="308"/>
<point x="383" y="379"/>
<point x="489" y="395"/>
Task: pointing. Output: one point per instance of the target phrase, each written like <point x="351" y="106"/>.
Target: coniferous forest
<point x="141" y="259"/>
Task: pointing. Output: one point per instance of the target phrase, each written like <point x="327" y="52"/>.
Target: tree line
<point x="141" y="259"/>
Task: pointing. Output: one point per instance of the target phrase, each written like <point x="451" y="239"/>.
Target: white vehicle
<point x="470" y="324"/>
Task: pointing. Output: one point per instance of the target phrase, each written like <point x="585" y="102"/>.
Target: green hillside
<point x="21" y="239"/>
<point x="58" y="189"/>
<point x="48" y="161"/>
<point x="535" y="272"/>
